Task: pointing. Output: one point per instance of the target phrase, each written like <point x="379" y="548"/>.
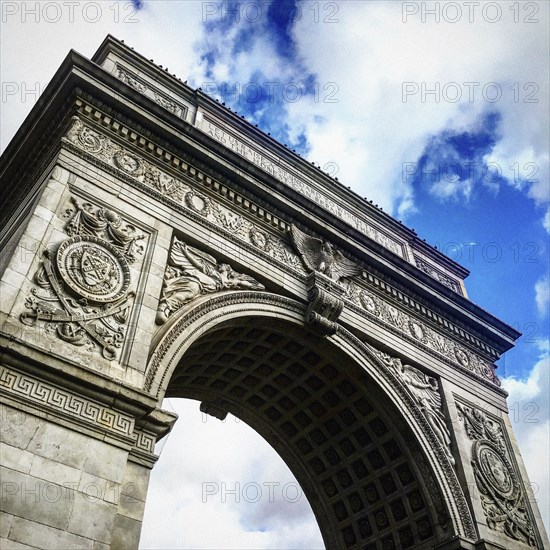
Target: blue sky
<point x="442" y="123"/>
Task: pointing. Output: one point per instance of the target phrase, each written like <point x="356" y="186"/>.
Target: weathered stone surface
<point x="35" y="499"/>
<point x="92" y="518"/>
<point x="32" y="533"/>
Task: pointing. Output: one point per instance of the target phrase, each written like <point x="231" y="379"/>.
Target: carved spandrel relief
<point x="82" y="292"/>
<point x="425" y="391"/>
<point x="418" y="331"/>
<point x="502" y="496"/>
<point x="182" y="194"/>
<point x="193" y="273"/>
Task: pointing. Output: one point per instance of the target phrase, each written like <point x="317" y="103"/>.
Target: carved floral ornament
<point x="82" y="288"/>
<point x="502" y="496"/>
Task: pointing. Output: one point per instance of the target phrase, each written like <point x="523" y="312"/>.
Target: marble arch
<point x="155" y="243"/>
<point x="322" y="379"/>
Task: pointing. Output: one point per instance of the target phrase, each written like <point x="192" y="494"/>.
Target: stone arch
<point x="374" y="472"/>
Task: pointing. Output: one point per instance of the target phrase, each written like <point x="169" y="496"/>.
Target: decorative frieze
<point x="277" y="170"/>
<point x="418" y="332"/>
<point x="278" y="248"/>
<point x="193" y="273"/>
<point x="502" y="495"/>
<point x="128" y="163"/>
<point x="64" y="402"/>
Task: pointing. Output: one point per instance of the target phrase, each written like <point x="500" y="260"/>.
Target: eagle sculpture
<point x="321" y="256"/>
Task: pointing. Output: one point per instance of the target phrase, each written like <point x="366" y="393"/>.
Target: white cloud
<point x="370" y="53"/>
<point x="202" y="464"/>
<point x="542" y="295"/>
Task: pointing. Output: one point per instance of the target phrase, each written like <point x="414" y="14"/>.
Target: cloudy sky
<point x="436" y="112"/>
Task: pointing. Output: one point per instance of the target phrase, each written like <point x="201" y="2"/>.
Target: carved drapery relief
<point x="193" y="273"/>
<point x="502" y="496"/>
<point x="174" y="189"/>
<point x="324" y="303"/>
<point x="107" y="225"/>
<point x="425" y="392"/>
<point x="82" y="289"/>
<point x="415" y="329"/>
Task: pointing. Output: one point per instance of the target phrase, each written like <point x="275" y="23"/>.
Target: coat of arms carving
<point x="82" y="288"/>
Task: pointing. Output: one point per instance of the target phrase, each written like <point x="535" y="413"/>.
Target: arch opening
<point x="219" y="484"/>
<point x="346" y="443"/>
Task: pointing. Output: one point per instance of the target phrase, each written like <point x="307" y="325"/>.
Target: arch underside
<point x="347" y="444"/>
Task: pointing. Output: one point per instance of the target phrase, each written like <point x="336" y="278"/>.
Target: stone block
<point x="147" y="318"/>
<point x="37" y="228"/>
<point x="126" y="533"/>
<point x="13" y="278"/>
<point x="131" y="507"/>
<point x="5" y="524"/>
<point x="6" y="544"/>
<point x="60" y="444"/>
<point x="50" y="470"/>
<point x="35" y="499"/>
<point x="96" y="487"/>
<point x="92" y="518"/>
<point x="27" y="251"/>
<point x="16" y="459"/>
<point x="18" y="426"/>
<point x="32" y="533"/>
<point x="105" y="461"/>
<point x="43" y="213"/>
<point x="8" y="297"/>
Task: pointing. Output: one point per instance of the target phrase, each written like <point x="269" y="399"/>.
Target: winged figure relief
<point x="193" y="272"/>
<point x="319" y="255"/>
